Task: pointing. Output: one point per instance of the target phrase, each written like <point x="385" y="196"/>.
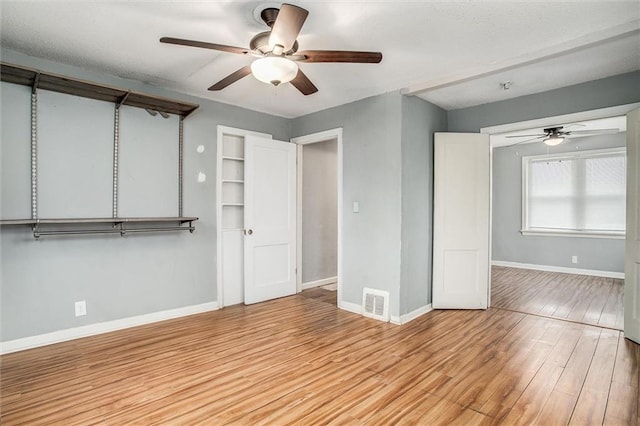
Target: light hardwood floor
<point x="578" y="298"/>
<point x="297" y="360"/>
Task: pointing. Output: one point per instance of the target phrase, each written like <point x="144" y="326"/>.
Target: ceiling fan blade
<point x="204" y="45"/>
<point x="592" y="132"/>
<point x="530" y="140"/>
<point x="287" y="26"/>
<point x="525" y="136"/>
<point x="232" y="78"/>
<point x="340" y="56"/>
<point x="303" y="84"/>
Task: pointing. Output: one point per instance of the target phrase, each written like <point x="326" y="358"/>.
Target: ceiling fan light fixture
<point x="553" y="140"/>
<point x="274" y="70"/>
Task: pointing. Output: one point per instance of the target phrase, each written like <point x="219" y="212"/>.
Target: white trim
<point x="102" y="327"/>
<point x="222" y="130"/>
<point x="394" y="319"/>
<point x="565" y="118"/>
<point x="318" y="137"/>
<point x="572" y="234"/>
<point x="416" y="313"/>
<point x="549" y="268"/>
<point x="304" y="140"/>
<point x="319" y="283"/>
<point x="350" y="307"/>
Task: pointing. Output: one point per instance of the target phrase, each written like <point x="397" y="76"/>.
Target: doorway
<point x="570" y="277"/>
<point x="319" y="207"/>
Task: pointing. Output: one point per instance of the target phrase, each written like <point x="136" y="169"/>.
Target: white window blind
<point x="575" y="193"/>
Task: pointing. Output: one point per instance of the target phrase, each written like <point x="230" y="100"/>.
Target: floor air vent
<point x="375" y="304"/>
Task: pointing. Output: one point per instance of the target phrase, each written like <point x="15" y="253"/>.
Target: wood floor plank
<point x="592" y="401"/>
<point x="622" y="402"/>
<point x="579" y="298"/>
<point x="300" y="360"/>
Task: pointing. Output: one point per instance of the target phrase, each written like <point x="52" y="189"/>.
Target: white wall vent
<point x="375" y="304"/>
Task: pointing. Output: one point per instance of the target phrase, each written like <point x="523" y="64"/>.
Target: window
<point x="575" y="193"/>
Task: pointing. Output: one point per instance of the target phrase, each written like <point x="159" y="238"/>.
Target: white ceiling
<point x="454" y="53"/>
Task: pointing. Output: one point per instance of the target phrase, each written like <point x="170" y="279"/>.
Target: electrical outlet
<point x="574" y="259"/>
<point x="81" y="308"/>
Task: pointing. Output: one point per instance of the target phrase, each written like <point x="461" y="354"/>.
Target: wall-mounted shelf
<point x="71" y="86"/>
<point x="36" y="80"/>
<point x="118" y="225"/>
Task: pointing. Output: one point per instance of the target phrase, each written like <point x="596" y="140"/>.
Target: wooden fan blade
<point x="232" y="78"/>
<point x="303" y="84"/>
<point x="340" y="56"/>
<point x="287" y="26"/>
<point x="204" y="45"/>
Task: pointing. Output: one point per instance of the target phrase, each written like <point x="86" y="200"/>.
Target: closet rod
<point x="122" y="232"/>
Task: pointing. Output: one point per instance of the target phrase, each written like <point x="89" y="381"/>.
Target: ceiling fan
<point x="277" y="50"/>
<point x="553" y="136"/>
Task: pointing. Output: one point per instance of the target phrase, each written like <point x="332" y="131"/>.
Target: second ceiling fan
<point x="277" y="50"/>
<point x="553" y="136"/>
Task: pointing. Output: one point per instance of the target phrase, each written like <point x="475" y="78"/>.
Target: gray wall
<point x="319" y="211"/>
<point x="617" y="90"/>
<point x="372" y="176"/>
<point x="420" y="120"/>
<point x="118" y="277"/>
<point x="510" y="245"/>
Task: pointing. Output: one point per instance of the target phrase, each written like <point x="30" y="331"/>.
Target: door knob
<point x="248" y="232"/>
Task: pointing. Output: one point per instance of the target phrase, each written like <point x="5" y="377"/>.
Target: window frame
<point x="526" y="161"/>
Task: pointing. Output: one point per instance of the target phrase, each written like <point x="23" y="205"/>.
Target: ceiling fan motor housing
<point x="269" y="15"/>
<point x="260" y="44"/>
<point x="554" y="130"/>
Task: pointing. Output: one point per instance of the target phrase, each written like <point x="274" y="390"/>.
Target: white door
<point x="632" y="244"/>
<point x="461" y="221"/>
<point x="269" y="219"/>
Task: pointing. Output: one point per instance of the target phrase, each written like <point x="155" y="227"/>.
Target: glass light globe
<point x="553" y="140"/>
<point x="274" y="70"/>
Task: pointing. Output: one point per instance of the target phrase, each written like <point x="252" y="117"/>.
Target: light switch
<point x="356" y="207"/>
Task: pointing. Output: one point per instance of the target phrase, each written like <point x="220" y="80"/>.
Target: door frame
<point x="614" y="111"/>
<point x="220" y="132"/>
<point x="307" y="140"/>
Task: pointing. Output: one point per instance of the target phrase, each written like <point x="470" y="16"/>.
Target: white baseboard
<point x="319" y="283"/>
<point x="102" y="327"/>
<point x="408" y="317"/>
<point x="549" y="268"/>
<point x="351" y="307"/>
<point x="398" y="320"/>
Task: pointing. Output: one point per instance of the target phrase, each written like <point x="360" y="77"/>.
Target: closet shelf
<point x="71" y="86"/>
